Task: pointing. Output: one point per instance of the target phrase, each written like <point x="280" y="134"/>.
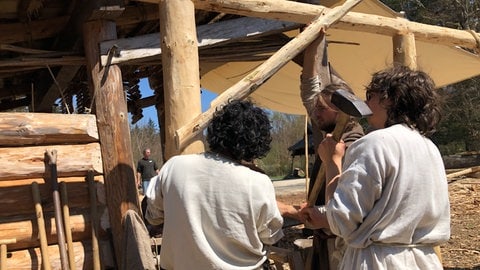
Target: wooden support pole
<point x="180" y="72"/>
<point x="405" y="53"/>
<point x="404" y="50"/>
<point x="252" y="81"/>
<point x="113" y="129"/>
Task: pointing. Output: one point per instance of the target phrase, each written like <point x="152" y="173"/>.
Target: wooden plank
<point x="22" y="129"/>
<point x="142" y="47"/>
<point x="28" y="162"/>
<point x="257" y="77"/>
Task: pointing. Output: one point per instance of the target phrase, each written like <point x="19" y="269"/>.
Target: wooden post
<point x="180" y="72"/>
<point x="267" y="69"/>
<point x="405" y="53"/>
<point x="113" y="128"/>
<point x="404" y="50"/>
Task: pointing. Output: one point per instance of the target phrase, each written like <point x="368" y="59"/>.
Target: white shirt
<point x="393" y="191"/>
<point x="217" y="214"/>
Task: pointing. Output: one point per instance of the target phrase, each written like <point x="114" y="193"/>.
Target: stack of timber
<point x="29" y="228"/>
<point x="462" y="160"/>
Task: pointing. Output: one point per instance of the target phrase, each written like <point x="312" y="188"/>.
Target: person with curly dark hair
<point x="389" y="199"/>
<point x="218" y="211"/>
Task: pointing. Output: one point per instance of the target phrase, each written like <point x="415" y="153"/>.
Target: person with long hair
<point x="389" y="199"/>
<point x="217" y="208"/>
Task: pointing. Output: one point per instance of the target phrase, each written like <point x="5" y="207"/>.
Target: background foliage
<point x="459" y="130"/>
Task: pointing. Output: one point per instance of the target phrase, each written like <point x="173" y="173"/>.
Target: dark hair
<point x="240" y="130"/>
<point x="413" y="97"/>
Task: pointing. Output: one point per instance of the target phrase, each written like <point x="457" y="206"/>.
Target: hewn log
<point x="16" y="32"/>
<point x="11" y="196"/>
<point x="180" y="72"/>
<point x="141" y="47"/>
<point x="40" y="181"/>
<point x="113" y="128"/>
<point x="354" y="21"/>
<point x="257" y="77"/>
<point x="28" y="162"/>
<point x="42" y="62"/>
<point x="21" y="129"/>
<point x="31" y="258"/>
<point x="25" y="229"/>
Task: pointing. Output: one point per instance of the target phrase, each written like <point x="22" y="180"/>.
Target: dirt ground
<point x="462" y="252"/>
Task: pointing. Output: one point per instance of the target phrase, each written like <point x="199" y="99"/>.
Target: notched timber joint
<point x="477" y="40"/>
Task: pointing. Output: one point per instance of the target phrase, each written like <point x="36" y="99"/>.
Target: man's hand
<point x="314" y="217"/>
<point x="287" y="210"/>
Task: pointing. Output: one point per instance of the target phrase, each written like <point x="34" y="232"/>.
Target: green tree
<point x="286" y="130"/>
<point x="146" y="136"/>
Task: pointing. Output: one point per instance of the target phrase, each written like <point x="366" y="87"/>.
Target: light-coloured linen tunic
<point x="217" y="214"/>
<point x="393" y="191"/>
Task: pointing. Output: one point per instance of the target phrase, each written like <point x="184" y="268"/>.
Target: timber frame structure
<point x="59" y="57"/>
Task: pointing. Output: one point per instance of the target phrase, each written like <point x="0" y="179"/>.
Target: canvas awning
<point x="355" y="55"/>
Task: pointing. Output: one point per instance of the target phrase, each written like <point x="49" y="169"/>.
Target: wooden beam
<point x="360" y="22"/>
<point x="31" y="258"/>
<point x="141" y="47"/>
<point x="181" y="78"/>
<point x="252" y="81"/>
<point x="114" y="131"/>
<point x="43" y="62"/>
<point x="19" y="32"/>
<point x="22" y="129"/>
<point x="12" y="195"/>
<point x="28" y="162"/>
<point x="25" y="230"/>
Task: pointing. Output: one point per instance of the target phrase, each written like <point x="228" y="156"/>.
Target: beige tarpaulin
<point x="355" y="55"/>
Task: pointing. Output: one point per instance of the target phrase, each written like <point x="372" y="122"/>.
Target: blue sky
<point x="150" y="112"/>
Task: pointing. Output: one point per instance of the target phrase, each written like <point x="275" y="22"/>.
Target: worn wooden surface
<point x="113" y="128"/>
<point x="28" y="162"/>
<point x="25" y="230"/>
<point x="19" y="129"/>
<point x="31" y="258"/>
